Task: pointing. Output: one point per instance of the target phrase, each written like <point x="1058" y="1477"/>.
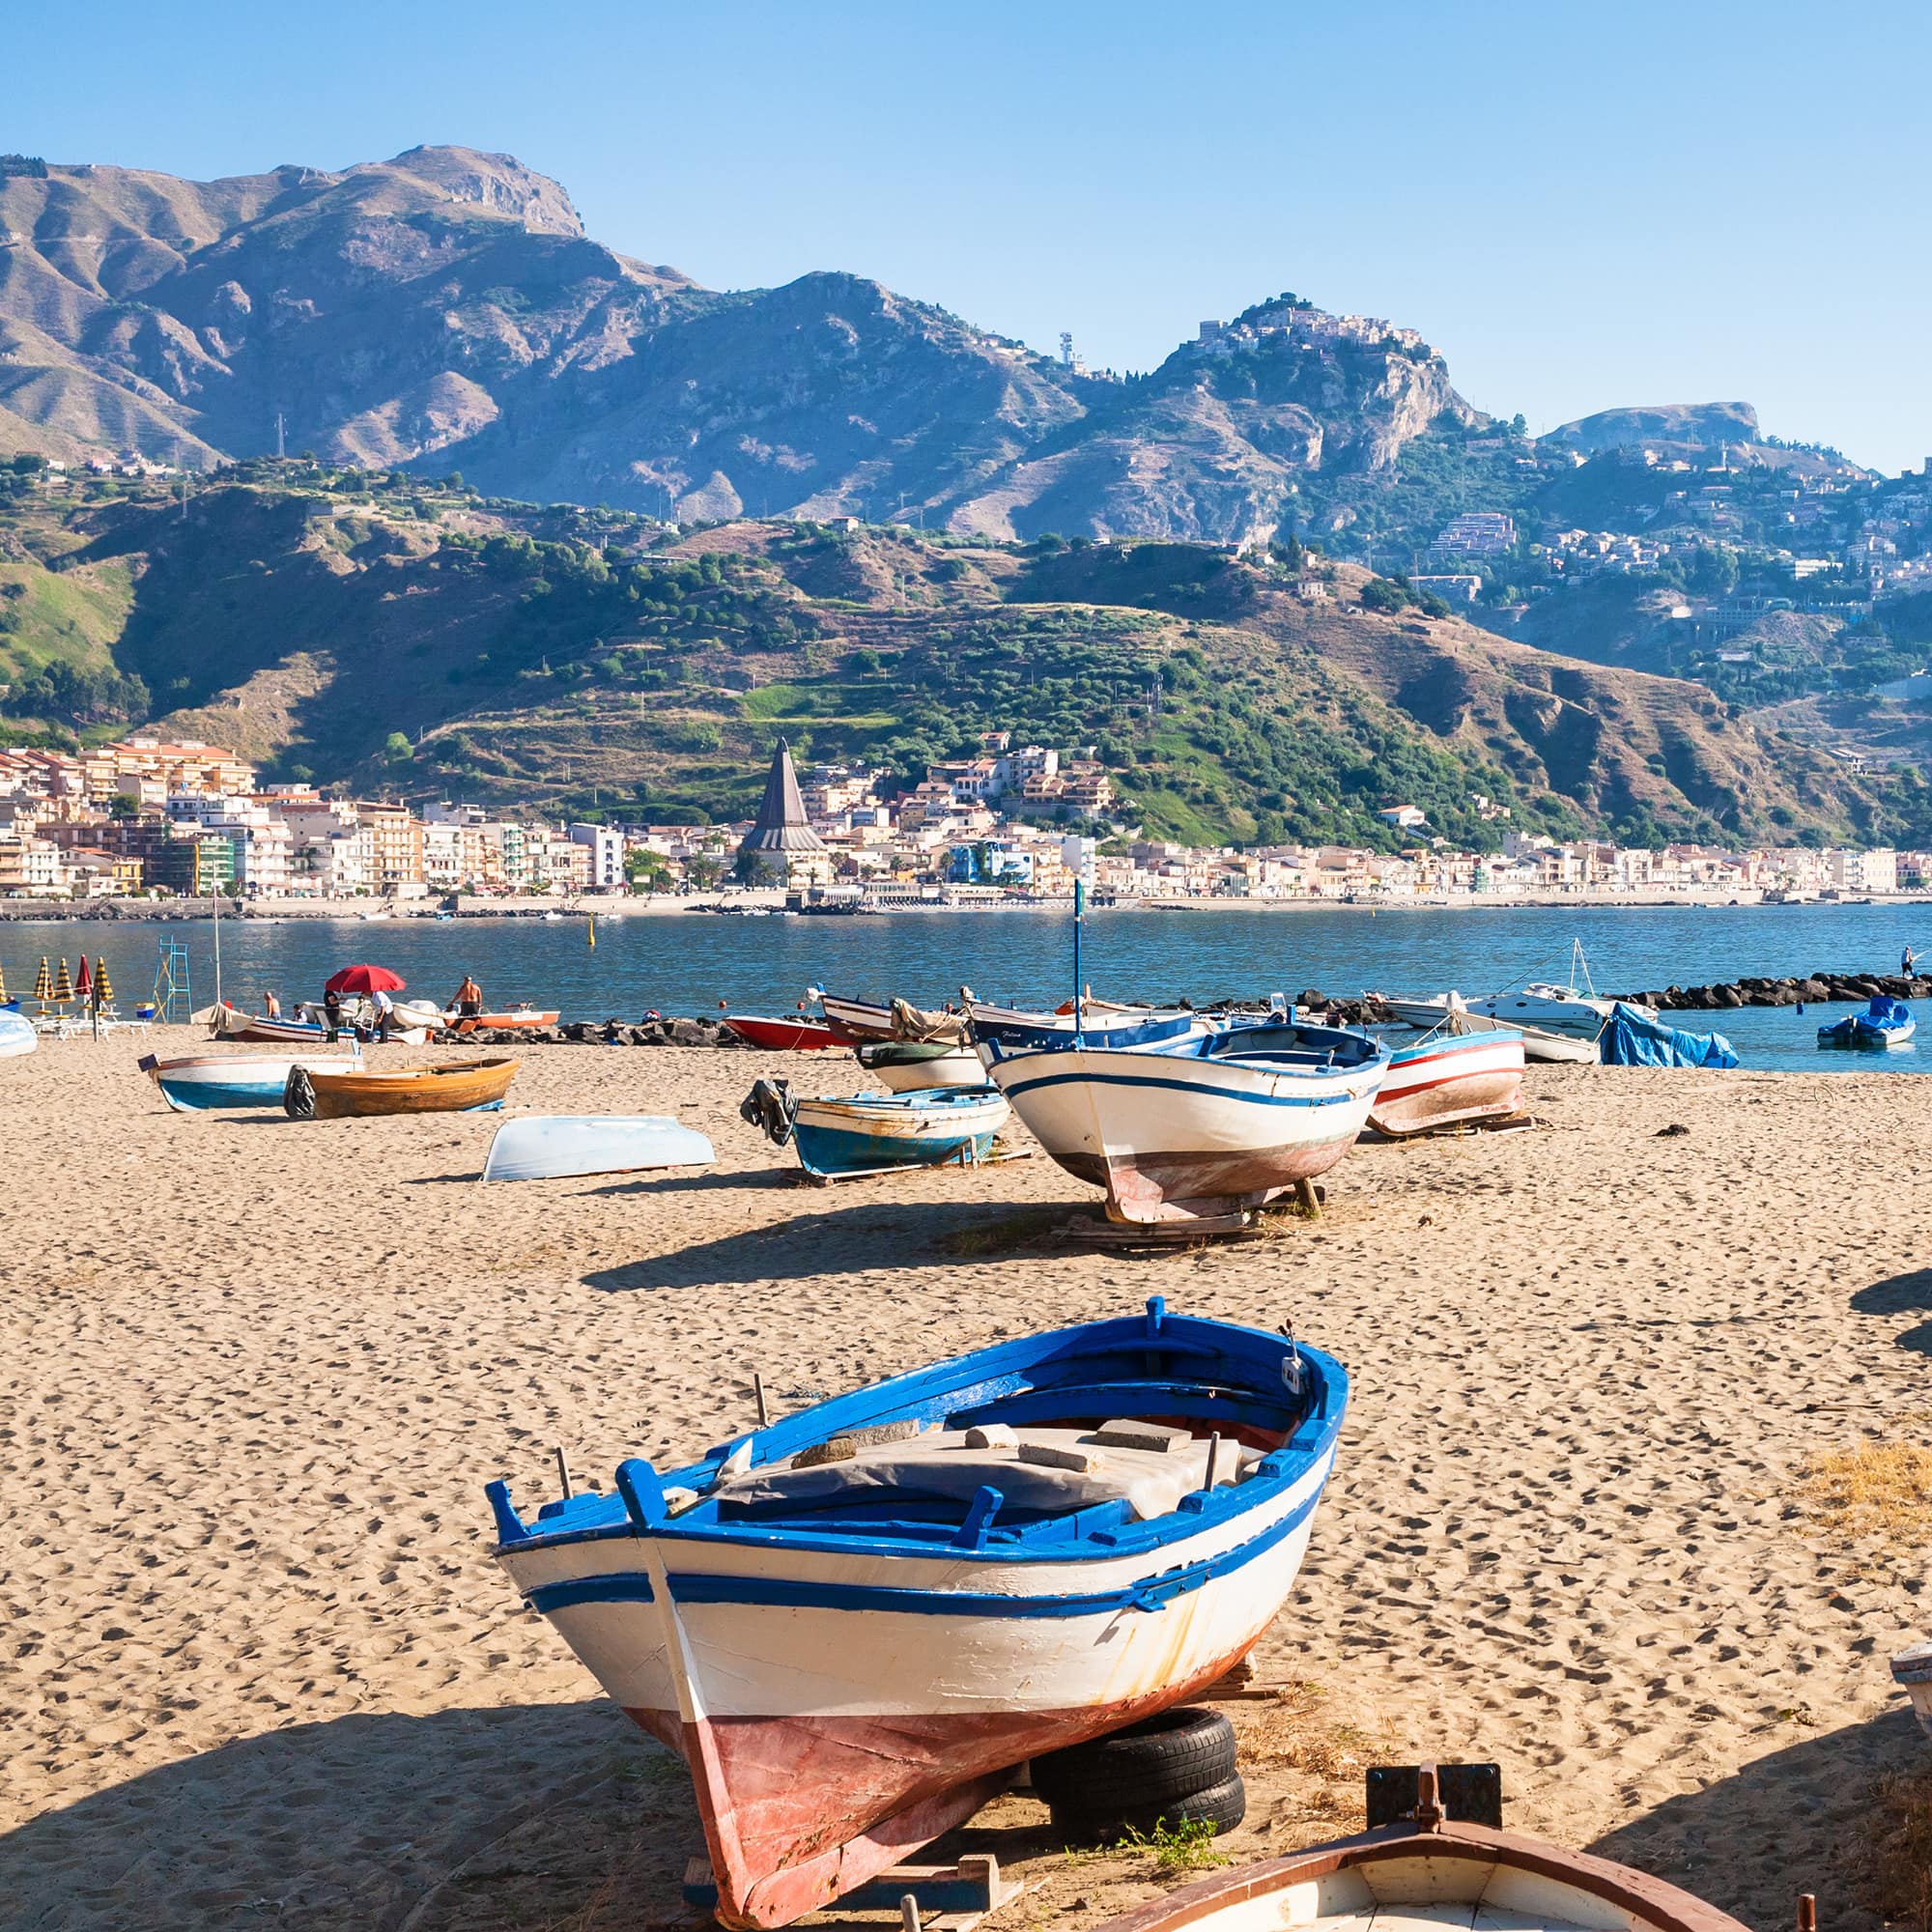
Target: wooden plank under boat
<point x="456" y="1089"/>
<point x="1445" y="1078"/>
<point x="853" y="1622"/>
<point x="1428" y="1872"/>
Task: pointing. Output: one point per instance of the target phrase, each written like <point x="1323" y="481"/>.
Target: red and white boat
<point x="1443" y="1078"/>
<point x="793" y="1034"/>
<point x="853" y="1622"/>
<point x="517" y="1017"/>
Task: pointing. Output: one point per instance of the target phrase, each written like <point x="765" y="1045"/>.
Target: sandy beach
<point x="260" y="1668"/>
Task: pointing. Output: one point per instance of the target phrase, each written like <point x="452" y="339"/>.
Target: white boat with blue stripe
<point x="199" y="1083"/>
<point x="1178" y="1123"/>
<point x="853" y="1622"/>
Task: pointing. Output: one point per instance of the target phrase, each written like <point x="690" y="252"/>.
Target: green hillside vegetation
<point x="379" y="631"/>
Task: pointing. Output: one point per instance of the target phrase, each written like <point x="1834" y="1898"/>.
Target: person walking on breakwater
<point x="1906" y="961"/>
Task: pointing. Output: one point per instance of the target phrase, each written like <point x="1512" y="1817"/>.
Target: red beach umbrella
<point x="83" y="987"/>
<point x="366" y="979"/>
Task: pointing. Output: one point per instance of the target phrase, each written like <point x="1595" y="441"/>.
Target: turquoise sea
<point x="696" y="962"/>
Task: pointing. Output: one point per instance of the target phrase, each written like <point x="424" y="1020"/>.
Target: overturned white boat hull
<point x="557" y="1146"/>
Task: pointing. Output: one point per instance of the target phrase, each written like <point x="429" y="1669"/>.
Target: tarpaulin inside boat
<point x="1630" y="1039"/>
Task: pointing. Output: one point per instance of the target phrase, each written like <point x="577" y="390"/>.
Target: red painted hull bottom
<point x="1158" y="1186"/>
<point x="1441" y="1103"/>
<point x="782" y="1035"/>
<point x="799" y="1810"/>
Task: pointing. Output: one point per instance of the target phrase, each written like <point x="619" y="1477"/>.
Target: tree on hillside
<point x="397" y="749"/>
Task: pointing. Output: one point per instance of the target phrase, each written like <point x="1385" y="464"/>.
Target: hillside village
<point x="143" y="818"/>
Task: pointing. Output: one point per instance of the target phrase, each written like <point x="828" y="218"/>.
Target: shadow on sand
<point x="1901" y="1295"/>
<point x="351" y="1823"/>
<point x="862" y="1239"/>
<point x="1791" y="1822"/>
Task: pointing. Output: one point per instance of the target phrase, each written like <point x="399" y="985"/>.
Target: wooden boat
<point x="854" y="1020"/>
<point x="197" y="1082"/>
<point x="853" y="1622"/>
<point x="1443" y="1078"/>
<point x="1430" y="1871"/>
<point x="226" y="1023"/>
<point x="1884" y="1023"/>
<point x="551" y="1147"/>
<point x="1537" y="1044"/>
<point x="1912" y="1671"/>
<point x="17" y="1035"/>
<point x="913" y="1065"/>
<point x="461" y="1088"/>
<point x="512" y="1019"/>
<point x="876" y="1133"/>
<point x="801" y="1035"/>
<point x="1179" y="1124"/>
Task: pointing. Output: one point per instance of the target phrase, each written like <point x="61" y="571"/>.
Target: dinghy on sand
<point x="553" y="1147"/>
<point x="853" y="1622"/>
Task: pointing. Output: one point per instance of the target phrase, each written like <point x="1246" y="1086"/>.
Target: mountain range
<point x="446" y="311"/>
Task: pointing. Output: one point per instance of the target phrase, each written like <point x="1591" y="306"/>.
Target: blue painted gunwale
<point x="966" y="1389"/>
<point x="1146" y="1593"/>
<point x="208" y="1096"/>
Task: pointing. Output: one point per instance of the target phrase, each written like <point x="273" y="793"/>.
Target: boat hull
<point x="854" y="1020"/>
<point x="782" y="1035"/>
<point x="556" y="1146"/>
<point x="232" y="1025"/>
<point x="1445" y="1079"/>
<point x="209" y="1083"/>
<point x="523" y="1019"/>
<point x="362" y="1093"/>
<point x="841" y="1703"/>
<point x="1175" y="1138"/>
<point x="16" y="1036"/>
<point x="871" y="1133"/>
<point x="958" y="1066"/>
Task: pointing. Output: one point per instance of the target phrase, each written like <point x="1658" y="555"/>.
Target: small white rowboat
<point x="553" y="1146"/>
<point x="1442" y="1079"/>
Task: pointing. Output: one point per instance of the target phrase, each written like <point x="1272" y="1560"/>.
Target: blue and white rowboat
<point x="852" y="1623"/>
<point x="876" y="1133"/>
<point x="197" y="1082"/>
<point x="1179" y="1124"/>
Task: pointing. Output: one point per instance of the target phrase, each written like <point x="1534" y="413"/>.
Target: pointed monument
<point x="781" y="831"/>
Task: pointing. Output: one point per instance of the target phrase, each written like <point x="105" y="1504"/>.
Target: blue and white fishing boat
<point x="554" y="1146"/>
<point x="853" y="1622"/>
<point x="875" y="1133"/>
<point x="197" y="1082"/>
<point x="1181" y="1124"/>
<point x="1884" y="1022"/>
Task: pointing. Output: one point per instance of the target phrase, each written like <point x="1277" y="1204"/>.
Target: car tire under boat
<point x="1176" y="1754"/>
<point x="1222" y="1806"/>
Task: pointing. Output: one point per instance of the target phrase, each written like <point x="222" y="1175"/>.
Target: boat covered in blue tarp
<point x="1884" y="1022"/>
<point x="1634" y="1038"/>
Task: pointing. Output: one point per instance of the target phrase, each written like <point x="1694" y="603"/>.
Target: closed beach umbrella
<point x="2" y="986"/>
<point x="83" y="987"/>
<point x="366" y="979"/>
<point x="103" y="991"/>
<point x="64" y="986"/>
<point x="44" y="985"/>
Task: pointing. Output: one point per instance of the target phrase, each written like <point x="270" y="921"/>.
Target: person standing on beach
<point x="386" y="1013"/>
<point x="468" y="1000"/>
<point x="271" y="1004"/>
<point x="331" y="1014"/>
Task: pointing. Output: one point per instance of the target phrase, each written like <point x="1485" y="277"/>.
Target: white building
<point x="607" y="855"/>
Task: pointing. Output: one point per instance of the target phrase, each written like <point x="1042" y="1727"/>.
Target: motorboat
<point x="1537" y="1043"/>
<point x="788" y="1035"/>
<point x="1885" y="1023"/>
<point x="853" y="1622"/>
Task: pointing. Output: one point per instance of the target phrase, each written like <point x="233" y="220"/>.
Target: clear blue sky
<point x="1582" y="207"/>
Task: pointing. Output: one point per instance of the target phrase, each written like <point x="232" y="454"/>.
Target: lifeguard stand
<point x="174" y="996"/>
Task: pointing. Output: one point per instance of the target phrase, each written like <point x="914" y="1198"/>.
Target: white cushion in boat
<point x="945" y="1463"/>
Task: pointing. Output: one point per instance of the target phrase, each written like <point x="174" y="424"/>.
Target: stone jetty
<point x="1819" y="988"/>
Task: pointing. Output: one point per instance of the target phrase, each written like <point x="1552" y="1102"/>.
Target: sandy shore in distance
<point x="259" y="1666"/>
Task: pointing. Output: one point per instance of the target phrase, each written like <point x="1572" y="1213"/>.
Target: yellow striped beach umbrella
<point x="64" y="986"/>
<point x="43" y="985"/>
<point x="2" y="986"/>
<point x="103" y="991"/>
